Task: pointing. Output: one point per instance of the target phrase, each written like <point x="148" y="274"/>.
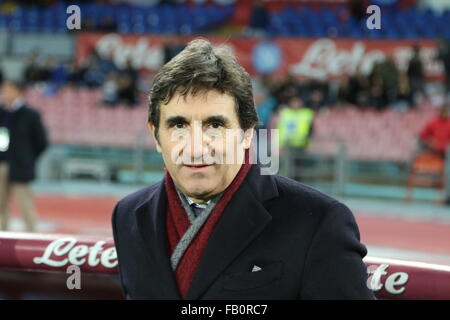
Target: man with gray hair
<point x="222" y="230"/>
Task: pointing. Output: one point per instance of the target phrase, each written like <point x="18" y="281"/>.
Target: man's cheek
<point x="158" y="146"/>
<point x="231" y="154"/>
<point x="217" y="152"/>
<point x="176" y="154"/>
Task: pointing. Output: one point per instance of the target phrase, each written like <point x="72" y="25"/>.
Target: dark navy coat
<point x="28" y="140"/>
<point x="306" y="243"/>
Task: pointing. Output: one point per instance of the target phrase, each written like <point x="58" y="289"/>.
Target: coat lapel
<point x="151" y="223"/>
<point x="242" y="220"/>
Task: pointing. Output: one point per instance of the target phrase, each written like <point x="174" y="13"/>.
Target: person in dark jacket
<point x="416" y="74"/>
<point x="227" y="230"/>
<point x="22" y="141"/>
<point x="443" y="55"/>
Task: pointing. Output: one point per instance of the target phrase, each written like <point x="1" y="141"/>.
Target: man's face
<point x="195" y="138"/>
<point x="9" y="93"/>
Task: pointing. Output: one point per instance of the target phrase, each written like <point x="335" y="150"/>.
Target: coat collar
<point x="244" y="217"/>
<point x="17" y="104"/>
<point x="150" y="220"/>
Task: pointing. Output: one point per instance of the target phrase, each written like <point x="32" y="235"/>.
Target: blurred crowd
<point x="385" y="86"/>
<point x="118" y="85"/>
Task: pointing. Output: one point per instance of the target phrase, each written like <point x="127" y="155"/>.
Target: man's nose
<point x="195" y="148"/>
<point x="197" y="143"/>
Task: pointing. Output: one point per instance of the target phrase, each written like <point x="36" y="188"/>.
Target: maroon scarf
<point x="177" y="223"/>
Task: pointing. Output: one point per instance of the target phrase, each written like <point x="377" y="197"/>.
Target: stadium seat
<point x="303" y="21"/>
<point x="427" y="169"/>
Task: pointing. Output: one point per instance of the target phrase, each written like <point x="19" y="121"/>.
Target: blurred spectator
<point x="435" y="136"/>
<point x="295" y="127"/>
<point x="171" y="47"/>
<point x="259" y="19"/>
<point x="34" y="70"/>
<point x="46" y="69"/>
<point x="128" y="84"/>
<point x="318" y="94"/>
<point x="287" y="88"/>
<point x="295" y="124"/>
<point x="58" y="73"/>
<point x="93" y="76"/>
<point x="106" y="63"/>
<point x="389" y="73"/>
<point x="97" y="68"/>
<point x="75" y="74"/>
<point x="53" y="75"/>
<point x="444" y="56"/>
<point x="343" y="91"/>
<point x="269" y="83"/>
<point x="265" y="103"/>
<point x="377" y="92"/>
<point x="1" y="75"/>
<point x="22" y="140"/>
<point x="416" y="74"/>
<point x="359" y="88"/>
<point x="404" y="97"/>
<point x="110" y="90"/>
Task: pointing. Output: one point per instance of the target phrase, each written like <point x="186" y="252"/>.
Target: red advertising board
<point x="322" y="58"/>
<point x="388" y="278"/>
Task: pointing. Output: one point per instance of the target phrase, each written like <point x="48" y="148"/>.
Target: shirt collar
<point x="198" y="205"/>
<point x="17" y="104"/>
<point x="190" y="202"/>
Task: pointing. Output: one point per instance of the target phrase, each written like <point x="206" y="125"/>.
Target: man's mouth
<point x="197" y="165"/>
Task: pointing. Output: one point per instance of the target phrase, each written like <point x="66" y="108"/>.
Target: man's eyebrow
<point x="217" y="119"/>
<point x="172" y="121"/>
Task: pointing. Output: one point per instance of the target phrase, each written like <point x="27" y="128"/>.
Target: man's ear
<point x="248" y="136"/>
<point x="152" y="129"/>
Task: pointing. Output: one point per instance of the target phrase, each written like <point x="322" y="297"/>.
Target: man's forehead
<point x="201" y="97"/>
<point x="203" y="105"/>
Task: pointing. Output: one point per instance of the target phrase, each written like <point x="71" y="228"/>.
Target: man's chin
<point x="199" y="192"/>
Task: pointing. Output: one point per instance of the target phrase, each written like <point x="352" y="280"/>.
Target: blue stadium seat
<point x="302" y="21"/>
<point x="124" y="27"/>
<point x="375" y="34"/>
<point x="356" y="33"/>
<point x="392" y="33"/>
<point x="3" y="23"/>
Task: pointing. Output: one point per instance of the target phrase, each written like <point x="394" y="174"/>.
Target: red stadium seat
<point x="427" y="169"/>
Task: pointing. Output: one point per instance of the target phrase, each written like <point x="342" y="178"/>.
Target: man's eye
<point x="179" y="125"/>
<point x="215" y="125"/>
